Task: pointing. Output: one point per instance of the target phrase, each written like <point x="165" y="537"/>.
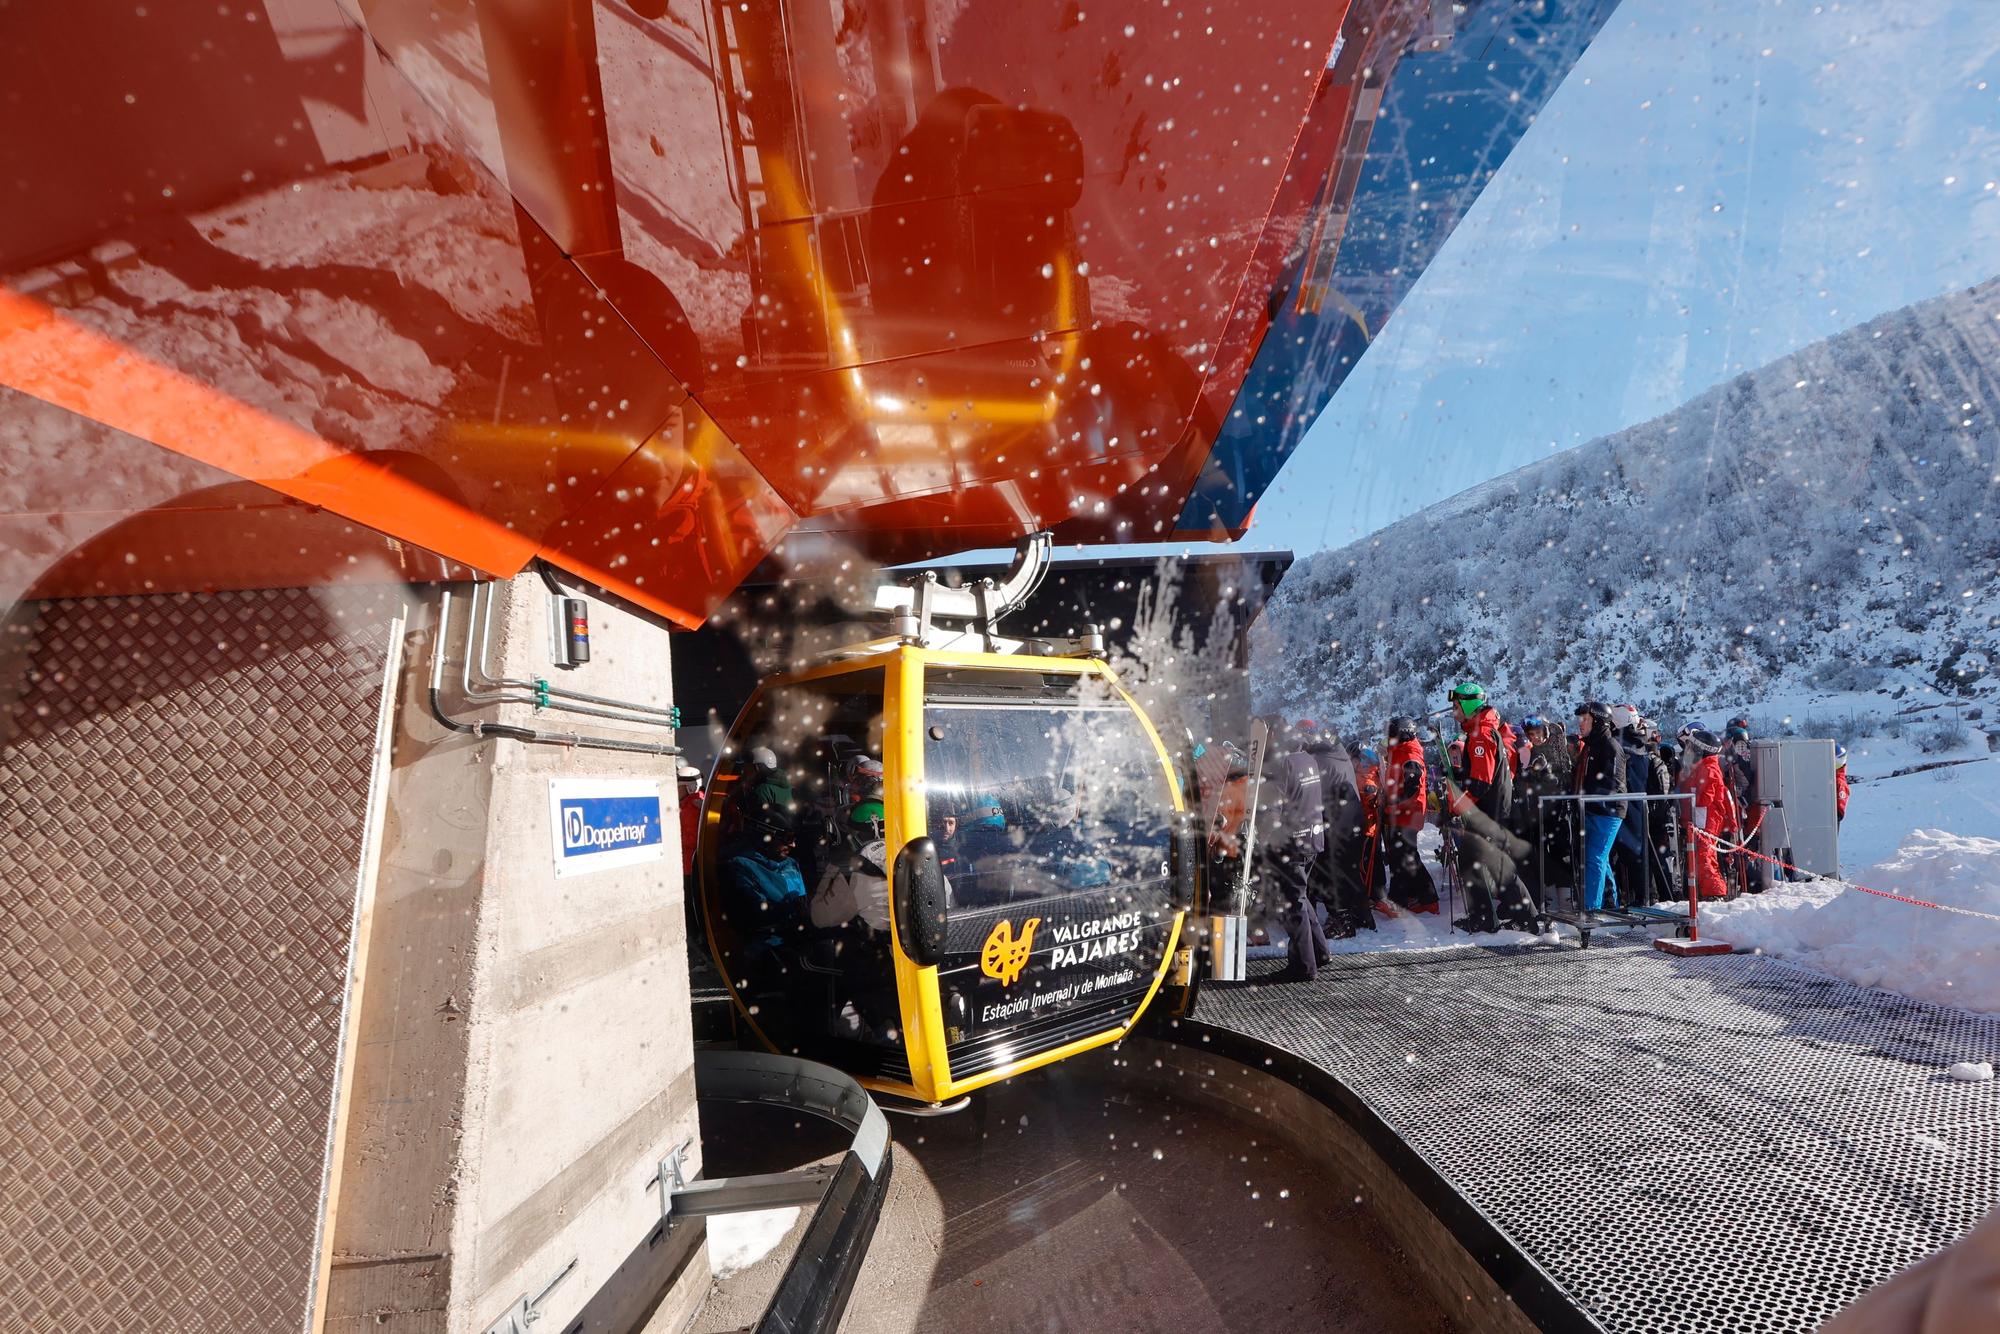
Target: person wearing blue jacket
<point x="1600" y="771"/>
<point x="764" y="890"/>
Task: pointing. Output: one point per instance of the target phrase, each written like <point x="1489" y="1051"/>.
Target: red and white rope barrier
<point x="1723" y="846"/>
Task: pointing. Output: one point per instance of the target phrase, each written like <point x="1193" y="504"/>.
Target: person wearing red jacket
<point x="1406" y="795"/>
<point x="691" y="798"/>
<point x="1839" y="782"/>
<point x="1368" y="778"/>
<point x="1714" y="813"/>
<point x="1488" y="850"/>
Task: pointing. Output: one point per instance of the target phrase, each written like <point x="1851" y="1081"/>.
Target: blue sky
<point x="1717" y="183"/>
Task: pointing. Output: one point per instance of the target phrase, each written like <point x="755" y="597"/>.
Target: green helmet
<point x="1469" y="696"/>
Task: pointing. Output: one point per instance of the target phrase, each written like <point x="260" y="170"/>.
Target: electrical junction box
<point x="1803" y="828"/>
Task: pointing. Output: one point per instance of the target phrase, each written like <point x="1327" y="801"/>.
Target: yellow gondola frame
<point x="904" y="667"/>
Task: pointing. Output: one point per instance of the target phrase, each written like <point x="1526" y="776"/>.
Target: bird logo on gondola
<point x="1005" y="954"/>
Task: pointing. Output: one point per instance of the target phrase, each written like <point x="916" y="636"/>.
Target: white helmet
<point x="1623" y="716"/>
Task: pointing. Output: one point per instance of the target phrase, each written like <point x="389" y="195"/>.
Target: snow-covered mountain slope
<point x="1826" y="525"/>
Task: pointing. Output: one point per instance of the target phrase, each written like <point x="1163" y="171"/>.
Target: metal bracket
<point x="669" y="1178"/>
<point x="682" y="1198"/>
<point x="527" y="1310"/>
<point x="736" y="1195"/>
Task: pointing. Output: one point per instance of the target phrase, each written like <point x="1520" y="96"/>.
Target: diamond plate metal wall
<point x="184" y="783"/>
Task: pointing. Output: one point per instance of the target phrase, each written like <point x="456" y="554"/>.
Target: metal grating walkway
<point x="1725" y="1143"/>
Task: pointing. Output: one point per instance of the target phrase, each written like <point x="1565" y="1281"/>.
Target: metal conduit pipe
<point x="483" y="617"/>
<point x="545" y="695"/>
<point x="529" y="734"/>
<point x="474" y="695"/>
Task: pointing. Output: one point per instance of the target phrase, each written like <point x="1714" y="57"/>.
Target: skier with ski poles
<point x="1488" y="852"/>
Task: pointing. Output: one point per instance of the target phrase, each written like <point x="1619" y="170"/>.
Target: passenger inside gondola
<point x="764" y="893"/>
<point x="804" y="870"/>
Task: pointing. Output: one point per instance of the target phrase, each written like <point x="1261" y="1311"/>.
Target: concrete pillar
<point x="525" y="1054"/>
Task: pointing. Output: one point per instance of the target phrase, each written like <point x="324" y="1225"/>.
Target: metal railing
<point x="1674" y="875"/>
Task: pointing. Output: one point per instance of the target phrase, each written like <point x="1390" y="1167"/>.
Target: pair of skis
<point x="1229" y="930"/>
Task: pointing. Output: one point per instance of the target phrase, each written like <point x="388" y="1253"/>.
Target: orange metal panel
<point x="640" y="288"/>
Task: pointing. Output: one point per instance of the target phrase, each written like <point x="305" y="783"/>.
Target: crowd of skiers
<point x="1613" y="813"/>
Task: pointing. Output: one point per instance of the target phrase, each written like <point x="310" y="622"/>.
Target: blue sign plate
<point x="596" y="824"/>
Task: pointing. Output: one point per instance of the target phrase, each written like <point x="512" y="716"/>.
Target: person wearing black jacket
<point x="1555" y="761"/>
<point x="1337" y="873"/>
<point x="1532" y="816"/>
<point x="1631" y="854"/>
<point x="1662" y="817"/>
<point x="1291" y="834"/>
<point x="1600" y="772"/>
<point x="1739" y="770"/>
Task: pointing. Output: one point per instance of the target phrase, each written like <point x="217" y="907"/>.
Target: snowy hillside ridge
<point x="1927" y="955"/>
<point x="1829" y="522"/>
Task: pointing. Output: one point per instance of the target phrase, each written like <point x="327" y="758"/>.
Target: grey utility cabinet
<point x="1803" y="827"/>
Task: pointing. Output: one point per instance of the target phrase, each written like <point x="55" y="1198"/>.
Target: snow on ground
<point x="1927" y="955"/>
<point x="1961" y="797"/>
<point x="737" y="1241"/>
<point x="1406" y="933"/>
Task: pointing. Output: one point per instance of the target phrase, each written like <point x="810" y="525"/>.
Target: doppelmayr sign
<point x="596" y="824"/>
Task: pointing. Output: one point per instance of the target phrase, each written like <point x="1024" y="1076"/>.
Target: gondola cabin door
<point x="1043" y="806"/>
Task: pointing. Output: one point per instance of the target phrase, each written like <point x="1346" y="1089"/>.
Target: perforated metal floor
<point x="1723" y="1143"/>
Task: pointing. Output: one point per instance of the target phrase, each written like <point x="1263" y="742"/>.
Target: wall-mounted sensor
<point x="573" y="632"/>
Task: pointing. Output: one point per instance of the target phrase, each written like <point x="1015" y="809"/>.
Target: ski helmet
<point x="1839" y="756"/>
<point x="1623" y="716"/>
<point x="1701" y="741"/>
<point x="1534" y="721"/>
<point x="1369" y="755"/>
<point x="1402" y="728"/>
<point x="865" y="817"/>
<point x="1595" y="708"/>
<point x="772" y="824"/>
<point x="1737" y="732"/>
<point x="1469" y="696"/>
